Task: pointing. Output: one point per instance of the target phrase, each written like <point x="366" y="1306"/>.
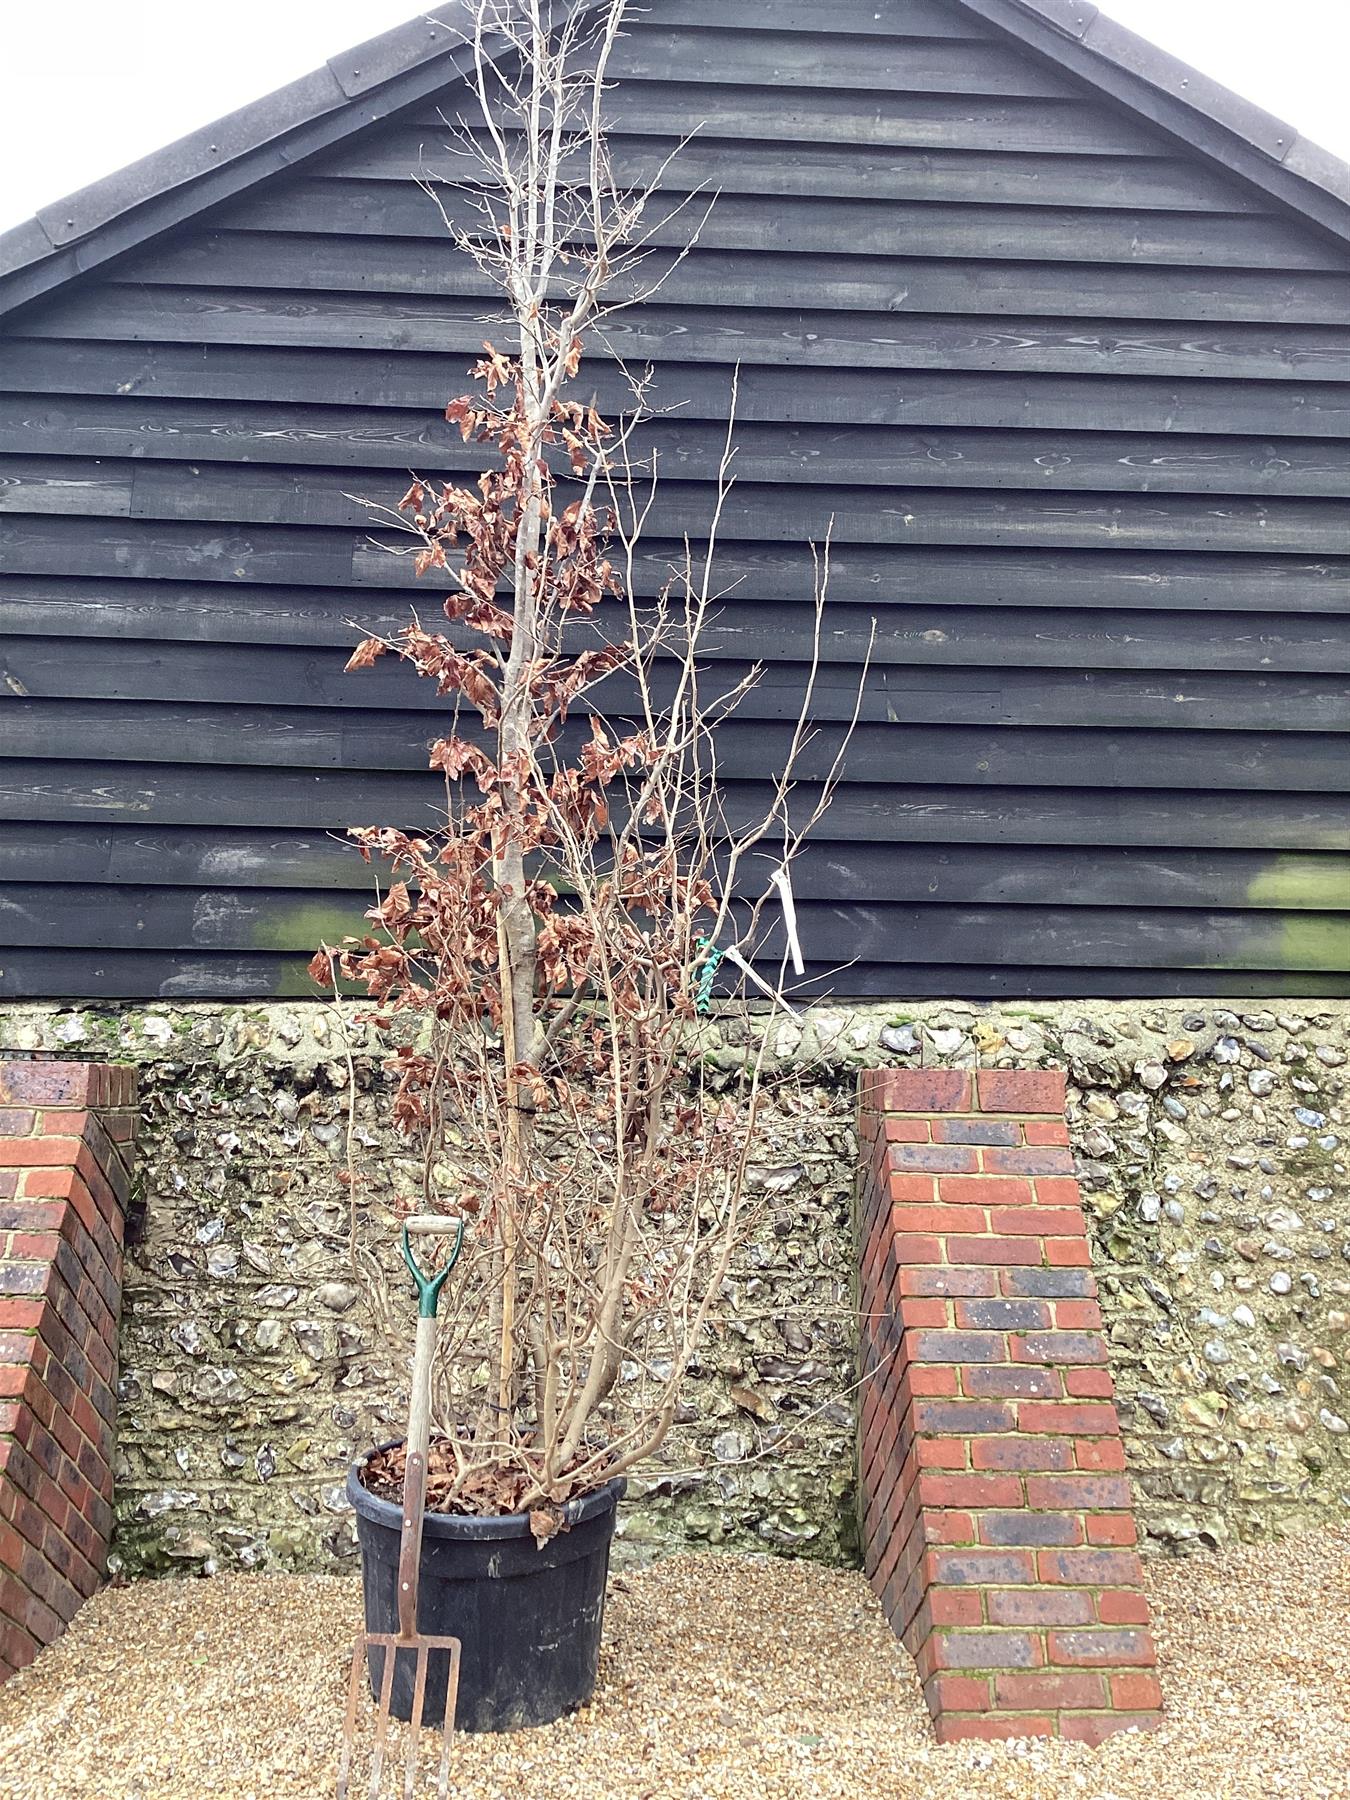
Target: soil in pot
<point x="527" y="1615"/>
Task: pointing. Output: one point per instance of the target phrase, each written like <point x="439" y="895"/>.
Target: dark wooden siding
<point x="1078" y="407"/>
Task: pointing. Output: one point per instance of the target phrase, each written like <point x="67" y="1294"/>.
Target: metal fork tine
<point x="451" y="1703"/>
<point x="382" y="1723"/>
<point x="349" y="1731"/>
<point x="420" y="1648"/>
<point x="415" y="1722"/>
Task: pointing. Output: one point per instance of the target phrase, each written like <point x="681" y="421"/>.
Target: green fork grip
<point x="429" y="1286"/>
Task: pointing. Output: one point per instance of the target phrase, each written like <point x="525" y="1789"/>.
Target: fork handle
<point x="415" y="1476"/>
<point x="410" y="1544"/>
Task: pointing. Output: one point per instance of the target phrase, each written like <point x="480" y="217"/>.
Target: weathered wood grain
<point x="750" y="750"/>
<point x="779" y="396"/>
<point x="30" y="484"/>
<point x="250" y="920"/>
<point x="906" y="632"/>
<point x="871" y="576"/>
<point x="228" y="975"/>
<point x="818" y="226"/>
<point x="777" y="114"/>
<point x="246" y="494"/>
<point x="983" y="177"/>
<point x="981" y="874"/>
<point x="898" y="19"/>
<point x="997" y="694"/>
<point x="263" y="432"/>
<point x="725" y="335"/>
<point x="160" y="794"/>
<point x="950" y="277"/>
<point x="824" y="60"/>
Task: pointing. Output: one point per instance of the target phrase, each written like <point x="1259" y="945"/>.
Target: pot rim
<point x="468" y="1526"/>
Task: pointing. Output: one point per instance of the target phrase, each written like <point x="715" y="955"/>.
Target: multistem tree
<point x="554" y="937"/>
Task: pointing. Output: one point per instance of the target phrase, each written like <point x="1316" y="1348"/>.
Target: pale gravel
<point x="723" y="1678"/>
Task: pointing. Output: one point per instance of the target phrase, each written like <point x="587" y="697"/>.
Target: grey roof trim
<point x="402" y="66"/>
<point x="1197" y="111"/>
<point x="126" y="209"/>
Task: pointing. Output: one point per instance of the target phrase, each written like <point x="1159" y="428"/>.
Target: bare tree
<point x="547" y="952"/>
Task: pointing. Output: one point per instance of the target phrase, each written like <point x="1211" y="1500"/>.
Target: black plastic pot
<point x="528" y="1618"/>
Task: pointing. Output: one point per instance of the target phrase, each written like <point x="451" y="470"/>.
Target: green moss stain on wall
<point x="1310" y="896"/>
<point x="1304" y="884"/>
<point x="309" y="923"/>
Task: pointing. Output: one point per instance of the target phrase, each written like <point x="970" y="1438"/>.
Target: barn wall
<point x="1078" y="407"/>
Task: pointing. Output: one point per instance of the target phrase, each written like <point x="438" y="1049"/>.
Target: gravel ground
<point x="723" y="1679"/>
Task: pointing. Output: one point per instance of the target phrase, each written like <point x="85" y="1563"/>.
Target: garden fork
<point x="408" y="1640"/>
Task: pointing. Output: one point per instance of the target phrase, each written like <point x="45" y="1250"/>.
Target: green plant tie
<point x="429" y="1286"/>
<point x="707" y="976"/>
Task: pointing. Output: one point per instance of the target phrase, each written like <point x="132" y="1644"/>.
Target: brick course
<point x="997" y="1519"/>
<point x="67" y="1132"/>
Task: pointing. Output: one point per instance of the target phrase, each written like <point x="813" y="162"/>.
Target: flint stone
<point x="189" y="1338"/>
<point x="276" y="1296"/>
<point x="337" y="1296"/>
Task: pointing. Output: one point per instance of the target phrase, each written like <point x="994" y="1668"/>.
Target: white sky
<point x="90" y="85"/>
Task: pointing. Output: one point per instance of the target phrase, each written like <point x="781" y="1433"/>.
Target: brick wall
<point x="998" y="1526"/>
<point x="66" y="1141"/>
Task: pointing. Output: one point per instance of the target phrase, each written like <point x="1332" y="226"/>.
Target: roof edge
<point x="126" y="209"/>
<point x="1200" y="112"/>
<point x="248" y="128"/>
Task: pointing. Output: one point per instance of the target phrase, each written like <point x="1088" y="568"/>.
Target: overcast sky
<point x="89" y="85"/>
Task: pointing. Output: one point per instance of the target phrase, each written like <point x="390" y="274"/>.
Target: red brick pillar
<point x="997" y="1518"/>
<point x="66" y="1142"/>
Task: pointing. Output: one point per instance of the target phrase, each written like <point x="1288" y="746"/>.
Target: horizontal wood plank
<point x="248" y="920"/>
<point x="231" y="494"/>
<point x="31" y="484"/>
<point x="226" y="975"/>
<point x="846" y="227"/>
<point x="727" y="335"/>
<point x="885" y="456"/>
<point x="999" y="694"/>
<point x="778" y="114"/>
<point x="897" y="631"/>
<point x="822" y="60"/>
<point x="898" y="19"/>
<point x="982" y="874"/>
<point x="983" y="177"/>
<point x="41" y="545"/>
<point x="874" y="576"/>
<point x="244" y="495"/>
<point x="777" y="279"/>
<point x="1317" y="944"/>
<point x="247" y="494"/>
<point x="749" y="750"/>
<point x="159" y="794"/>
<point x="780" y="397"/>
